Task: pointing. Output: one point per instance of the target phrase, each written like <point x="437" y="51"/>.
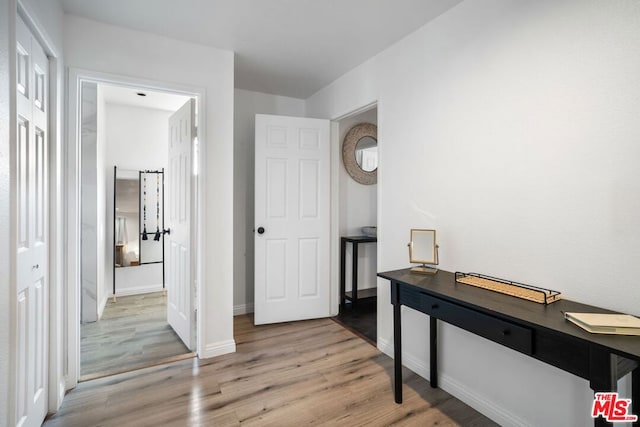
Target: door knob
<point x="167" y="231"/>
<point x="260" y="230"/>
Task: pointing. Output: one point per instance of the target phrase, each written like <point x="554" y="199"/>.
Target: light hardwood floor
<point x="132" y="333"/>
<point x="303" y="373"/>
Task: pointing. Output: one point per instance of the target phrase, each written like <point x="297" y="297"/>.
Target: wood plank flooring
<point x="132" y="333"/>
<point x="291" y="374"/>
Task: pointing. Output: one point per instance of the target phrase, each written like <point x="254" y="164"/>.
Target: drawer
<point x="410" y="298"/>
<point x="501" y="331"/>
<point x="563" y="352"/>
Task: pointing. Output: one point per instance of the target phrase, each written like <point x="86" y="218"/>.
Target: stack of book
<point x="598" y="323"/>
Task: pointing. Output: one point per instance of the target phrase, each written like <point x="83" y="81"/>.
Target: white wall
<point x="94" y="245"/>
<point x="99" y="47"/>
<point x="136" y="139"/>
<point x="247" y="105"/>
<point x="93" y="207"/>
<point x="511" y="128"/>
<point x="89" y="171"/>
<point x="358" y="207"/>
<point x="103" y="246"/>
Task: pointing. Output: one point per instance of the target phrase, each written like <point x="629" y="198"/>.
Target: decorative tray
<point x="515" y="289"/>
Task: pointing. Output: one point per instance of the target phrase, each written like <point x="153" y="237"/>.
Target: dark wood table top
<point x="550" y="317"/>
<point x="360" y="239"/>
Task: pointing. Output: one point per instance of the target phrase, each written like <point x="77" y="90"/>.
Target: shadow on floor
<point x="361" y="320"/>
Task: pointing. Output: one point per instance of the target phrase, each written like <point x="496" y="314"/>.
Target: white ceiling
<point x="128" y="96"/>
<point x="284" y="47"/>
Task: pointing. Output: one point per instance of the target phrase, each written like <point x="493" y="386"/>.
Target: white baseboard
<point x="242" y="309"/>
<point x="137" y="290"/>
<point x="218" y="349"/>
<point x="455" y="388"/>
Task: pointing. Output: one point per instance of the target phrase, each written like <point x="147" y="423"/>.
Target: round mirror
<point x="360" y="153"/>
<point x="367" y="154"/>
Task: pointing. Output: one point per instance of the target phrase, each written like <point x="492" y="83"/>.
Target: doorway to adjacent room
<point x="357" y="219"/>
<point x="137" y="148"/>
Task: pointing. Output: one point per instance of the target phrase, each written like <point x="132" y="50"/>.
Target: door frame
<point x="75" y="78"/>
<point x="336" y="164"/>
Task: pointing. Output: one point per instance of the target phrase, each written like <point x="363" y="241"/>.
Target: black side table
<point x="353" y="295"/>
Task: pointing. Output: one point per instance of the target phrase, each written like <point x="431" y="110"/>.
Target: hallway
<point x="299" y="373"/>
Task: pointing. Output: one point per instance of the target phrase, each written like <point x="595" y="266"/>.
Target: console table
<point x="353" y="295"/>
<point x="534" y="329"/>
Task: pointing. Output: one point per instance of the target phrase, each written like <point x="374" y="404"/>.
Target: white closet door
<point x="31" y="230"/>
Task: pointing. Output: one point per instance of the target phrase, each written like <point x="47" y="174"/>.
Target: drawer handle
<point x="506" y="332"/>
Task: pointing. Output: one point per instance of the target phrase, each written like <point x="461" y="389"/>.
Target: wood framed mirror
<point x="360" y="153"/>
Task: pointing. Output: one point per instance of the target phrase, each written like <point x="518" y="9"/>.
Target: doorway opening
<point x="357" y="227"/>
<point x="127" y="318"/>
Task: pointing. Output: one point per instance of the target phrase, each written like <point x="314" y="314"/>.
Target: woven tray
<point x="518" y="290"/>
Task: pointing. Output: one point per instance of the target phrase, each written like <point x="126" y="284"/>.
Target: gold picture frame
<point x="423" y="249"/>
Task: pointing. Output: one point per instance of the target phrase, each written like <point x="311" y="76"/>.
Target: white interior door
<point x="292" y="219"/>
<point x="178" y="251"/>
<point x="32" y="308"/>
